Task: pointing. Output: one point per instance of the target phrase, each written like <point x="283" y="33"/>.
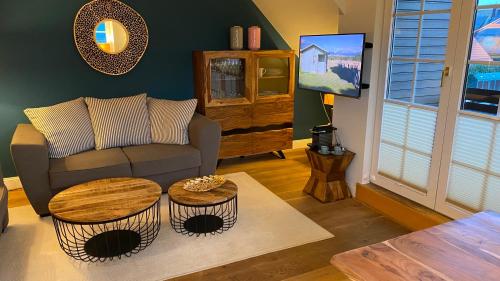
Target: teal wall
<point x="40" y="66"/>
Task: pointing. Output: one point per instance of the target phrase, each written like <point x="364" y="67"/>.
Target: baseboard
<point x="301" y="143"/>
<point x="12" y="183"/>
<point x="400" y="209"/>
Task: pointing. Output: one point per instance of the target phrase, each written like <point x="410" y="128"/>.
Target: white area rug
<point x="29" y="248"/>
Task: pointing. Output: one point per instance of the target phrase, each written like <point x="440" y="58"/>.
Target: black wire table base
<point x="109" y="240"/>
<point x="204" y="219"/>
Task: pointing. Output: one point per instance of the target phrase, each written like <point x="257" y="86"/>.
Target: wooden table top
<point x="466" y="249"/>
<point x="104" y="200"/>
<point x="346" y="153"/>
<point x="218" y="195"/>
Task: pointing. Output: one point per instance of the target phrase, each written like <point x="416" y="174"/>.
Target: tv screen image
<point x="332" y="63"/>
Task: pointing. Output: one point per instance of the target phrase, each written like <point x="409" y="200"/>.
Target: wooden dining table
<point x="465" y="249"/>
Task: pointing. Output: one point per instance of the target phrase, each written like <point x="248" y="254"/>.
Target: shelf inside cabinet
<point x="228" y="102"/>
<point x="271" y="93"/>
<point x="275" y="77"/>
<point x="228" y="79"/>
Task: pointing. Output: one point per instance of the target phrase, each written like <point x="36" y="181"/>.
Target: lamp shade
<point x="329" y="99"/>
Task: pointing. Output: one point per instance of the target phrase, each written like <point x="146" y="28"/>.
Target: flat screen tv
<point x="332" y="63"/>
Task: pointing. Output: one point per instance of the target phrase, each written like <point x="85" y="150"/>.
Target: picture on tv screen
<point x="332" y="63"/>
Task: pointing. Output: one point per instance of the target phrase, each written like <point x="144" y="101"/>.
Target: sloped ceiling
<point x="342" y="5"/>
<point x="292" y="18"/>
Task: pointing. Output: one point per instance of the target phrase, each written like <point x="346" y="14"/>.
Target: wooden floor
<point x="353" y="224"/>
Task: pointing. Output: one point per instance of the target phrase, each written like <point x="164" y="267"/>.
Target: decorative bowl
<point x="204" y="184"/>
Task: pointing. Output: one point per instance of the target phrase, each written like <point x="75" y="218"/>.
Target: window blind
<point x="474" y="181"/>
<point x="406" y="144"/>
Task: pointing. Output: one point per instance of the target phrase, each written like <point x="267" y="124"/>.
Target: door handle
<point x="444" y="73"/>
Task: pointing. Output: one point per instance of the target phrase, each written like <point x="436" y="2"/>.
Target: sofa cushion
<point x="120" y="121"/>
<point x="66" y="126"/>
<point x="154" y="159"/>
<point x="170" y="120"/>
<point x="87" y="166"/>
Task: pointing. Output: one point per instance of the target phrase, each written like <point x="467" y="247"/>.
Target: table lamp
<point x="328" y="99"/>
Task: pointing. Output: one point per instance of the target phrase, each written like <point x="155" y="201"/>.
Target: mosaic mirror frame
<point x="84" y="26"/>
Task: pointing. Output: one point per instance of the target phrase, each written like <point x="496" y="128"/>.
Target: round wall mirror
<point x="111" y="36"/>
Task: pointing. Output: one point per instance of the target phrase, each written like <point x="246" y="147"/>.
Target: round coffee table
<point x="108" y="218"/>
<point x="196" y="213"/>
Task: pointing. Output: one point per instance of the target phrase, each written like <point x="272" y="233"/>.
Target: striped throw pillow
<point x="120" y="121"/>
<point x="66" y="126"/>
<point x="170" y="120"/>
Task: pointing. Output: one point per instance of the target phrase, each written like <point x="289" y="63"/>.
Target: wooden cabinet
<point x="250" y="93"/>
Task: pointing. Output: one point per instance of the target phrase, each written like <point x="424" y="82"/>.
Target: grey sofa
<point x="4" y="211"/>
<point x="42" y="177"/>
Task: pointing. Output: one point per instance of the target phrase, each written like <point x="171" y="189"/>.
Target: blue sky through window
<point x="100" y="34"/>
<point x="488" y="2"/>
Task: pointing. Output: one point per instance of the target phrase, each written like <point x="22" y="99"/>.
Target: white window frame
<point x="427" y="198"/>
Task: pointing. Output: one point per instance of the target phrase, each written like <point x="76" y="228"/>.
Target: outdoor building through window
<point x="482" y="88"/>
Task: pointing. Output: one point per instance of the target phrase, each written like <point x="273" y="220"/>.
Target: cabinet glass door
<point x="273" y="75"/>
<point x="227" y="78"/>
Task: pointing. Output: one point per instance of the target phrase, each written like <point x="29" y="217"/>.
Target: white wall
<point x="292" y="18"/>
<point x="355" y="118"/>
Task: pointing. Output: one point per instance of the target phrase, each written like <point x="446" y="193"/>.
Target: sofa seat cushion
<point x="154" y="159"/>
<point x="87" y="166"/>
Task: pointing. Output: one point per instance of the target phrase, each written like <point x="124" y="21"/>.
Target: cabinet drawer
<point x="272" y="113"/>
<point x="272" y="140"/>
<point x="231" y="117"/>
<point x="255" y="143"/>
<point x="236" y="145"/>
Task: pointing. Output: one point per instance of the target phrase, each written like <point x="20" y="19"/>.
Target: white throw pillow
<point x="120" y="121"/>
<point x="170" y="120"/>
<point x="66" y="126"/>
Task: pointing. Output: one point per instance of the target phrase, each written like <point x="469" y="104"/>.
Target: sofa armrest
<point x="205" y="135"/>
<point x="30" y="154"/>
<point x="4" y="210"/>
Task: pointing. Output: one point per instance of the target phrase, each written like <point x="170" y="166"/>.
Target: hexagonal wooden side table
<point x="327" y="181"/>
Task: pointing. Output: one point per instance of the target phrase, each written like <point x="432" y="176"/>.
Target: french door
<point x="420" y="41"/>
<point x="470" y="171"/>
<point x="435" y="139"/>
